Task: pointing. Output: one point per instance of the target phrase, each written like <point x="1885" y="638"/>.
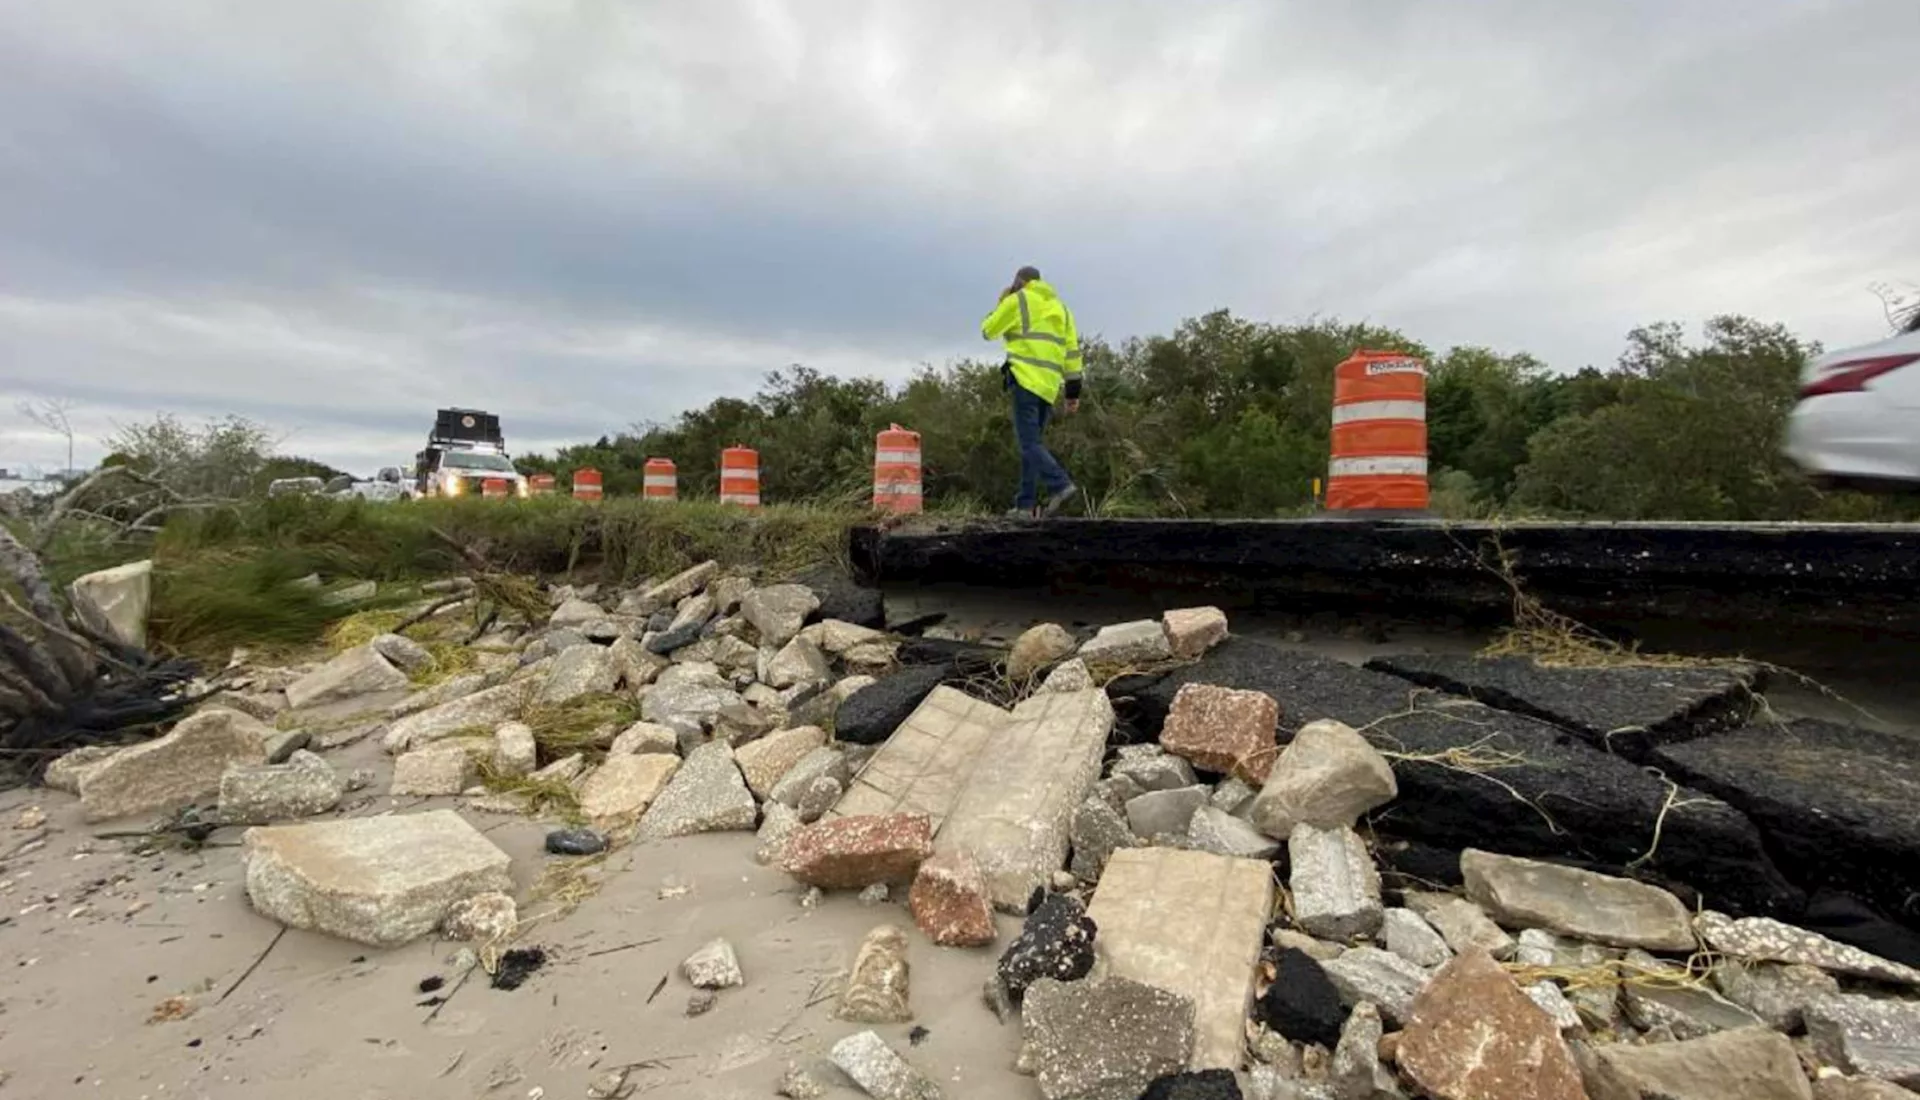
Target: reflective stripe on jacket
<point x="1042" y="343"/>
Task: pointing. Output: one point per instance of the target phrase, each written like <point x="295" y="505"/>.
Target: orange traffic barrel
<point x="495" y="487"/>
<point x="740" y="476"/>
<point x="896" y="471"/>
<point x="1379" y="459"/>
<point x="586" y="484"/>
<point x="540" y="484"/>
<point x="661" y="480"/>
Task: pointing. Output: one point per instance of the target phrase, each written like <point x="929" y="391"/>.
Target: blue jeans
<point x="1037" y="464"/>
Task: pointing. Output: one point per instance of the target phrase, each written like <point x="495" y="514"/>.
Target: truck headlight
<point x="453" y="487"/>
<point x="520" y="486"/>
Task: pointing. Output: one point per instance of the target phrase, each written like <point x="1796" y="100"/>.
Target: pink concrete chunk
<point x="848" y="853"/>
<point x="1223" y="730"/>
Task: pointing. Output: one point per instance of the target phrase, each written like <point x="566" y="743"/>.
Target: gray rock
<point x="672" y="704"/>
<point x="446" y="691"/>
<point x="645" y="737"/>
<point x="1104" y="1038"/>
<point x="1868" y="1037"/>
<point x="1466" y="927"/>
<point x="672" y="590"/>
<point x="1328" y="775"/>
<point x="1689" y="1012"/>
<point x="695" y="609"/>
<point x="66" y="771"/>
<point x="486" y="709"/>
<point x="714" y="966"/>
<point x="1037" y="648"/>
<point x="483" y="918"/>
<point x="706" y="795"/>
<point x="819" y="797"/>
<point x="690" y="674"/>
<point x="1356" y="1072"/>
<point x="1767" y="940"/>
<point x="402" y="652"/>
<point x="828" y="761"/>
<point x="1235" y="796"/>
<point x="633" y="666"/>
<point x="515" y="750"/>
<point x="879" y="1071"/>
<point x="1128" y="645"/>
<point x="800" y="1083"/>
<point x="184" y="766"/>
<point x="1530" y="894"/>
<point x="1554" y="1003"/>
<point x="1336" y="890"/>
<point x="1118" y="790"/>
<point x="778" y="823"/>
<point x="1096" y="831"/>
<point x="582" y="670"/>
<point x="837" y="637"/>
<point x="879" y="987"/>
<point x="799" y="663"/>
<point x="1752" y="1064"/>
<point x="282" y="744"/>
<point x="381" y="881"/>
<point x="1070" y="676"/>
<point x="554" y="643"/>
<point x="1409" y="936"/>
<point x="115" y="601"/>
<point x="1370" y="974"/>
<point x="1167" y="812"/>
<point x="1215" y="830"/>
<point x="445" y="767"/>
<point x="348" y="595"/>
<point x="353" y="673"/>
<point x="254" y="794"/>
<point x="1859" y="1088"/>
<point x="574" y="612"/>
<point x="779" y="611"/>
<point x="1778" y="993"/>
<point x="1157" y="771"/>
<point x="741" y="723"/>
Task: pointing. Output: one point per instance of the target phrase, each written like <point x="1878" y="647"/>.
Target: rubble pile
<point x="1184" y="860"/>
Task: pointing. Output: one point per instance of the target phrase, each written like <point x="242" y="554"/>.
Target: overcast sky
<point x="334" y="216"/>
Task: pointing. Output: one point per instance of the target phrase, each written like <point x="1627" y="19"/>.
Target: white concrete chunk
<point x="354" y="672"/>
<point x="1013" y="812"/>
<point x="376" y="880"/>
<point x="486" y="708"/>
<point x="1135" y="645"/>
<point x="620" y="790"/>
<point x="115" y="601"/>
<point x="924" y="766"/>
<point x="182" y="767"/>
<point x="1336" y="890"/>
<point x="1191" y="923"/>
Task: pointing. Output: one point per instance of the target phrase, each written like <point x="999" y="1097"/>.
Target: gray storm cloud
<point x="336" y="217"/>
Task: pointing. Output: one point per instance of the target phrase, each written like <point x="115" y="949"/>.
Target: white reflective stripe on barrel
<point x="1380" y="410"/>
<point x="897" y="457"/>
<point x="661" y="481"/>
<point x="1404" y="465"/>
<point x="739" y="498"/>
<point x="896" y="488"/>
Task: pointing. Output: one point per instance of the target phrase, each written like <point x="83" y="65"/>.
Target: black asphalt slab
<point x="1836" y="575"/>
<point x="1839" y="805"/>
<point x="1559" y="797"/>
<point x="1626" y="710"/>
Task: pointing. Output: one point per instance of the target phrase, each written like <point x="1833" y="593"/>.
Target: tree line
<point x="1230" y="417"/>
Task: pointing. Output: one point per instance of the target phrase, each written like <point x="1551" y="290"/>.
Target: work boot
<point x="1059" y="500"/>
<point x="1022" y="513"/>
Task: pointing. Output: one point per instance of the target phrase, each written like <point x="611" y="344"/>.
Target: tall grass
<point x="225" y="577"/>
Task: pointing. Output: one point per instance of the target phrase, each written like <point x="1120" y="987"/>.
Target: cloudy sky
<point x="334" y="216"/>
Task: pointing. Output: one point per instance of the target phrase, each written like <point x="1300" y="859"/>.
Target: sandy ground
<point x="96" y="939"/>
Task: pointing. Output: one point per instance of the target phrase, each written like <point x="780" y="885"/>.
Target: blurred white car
<point x="386" y="485"/>
<point x="1858" y="421"/>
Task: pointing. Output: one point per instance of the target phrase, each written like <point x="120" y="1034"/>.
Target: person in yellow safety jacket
<point x="1042" y="367"/>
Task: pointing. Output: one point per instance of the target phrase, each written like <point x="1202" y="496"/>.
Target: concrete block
<point x="1191" y="923"/>
<point x="1336" y="890"/>
<point x="182" y="767"/>
<point x="355" y="672"/>
<point x="376" y="880"/>
<point x="924" y="766"/>
<point x="1014" y="810"/>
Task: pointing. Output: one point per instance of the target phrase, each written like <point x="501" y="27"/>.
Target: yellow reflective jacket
<point x="1042" y="344"/>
